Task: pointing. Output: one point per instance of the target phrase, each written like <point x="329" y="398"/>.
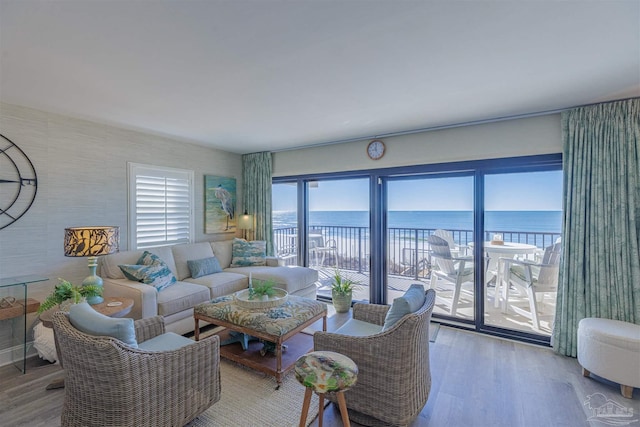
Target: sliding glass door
<point x="338" y="232"/>
<point x="425" y="212"/>
<point x="522" y="226"/>
<point x="471" y="230"/>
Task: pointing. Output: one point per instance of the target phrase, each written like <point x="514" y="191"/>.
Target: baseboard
<point x="6" y="353"/>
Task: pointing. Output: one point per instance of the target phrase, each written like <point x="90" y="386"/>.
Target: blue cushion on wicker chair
<point x="84" y="318"/>
<point x="411" y="301"/>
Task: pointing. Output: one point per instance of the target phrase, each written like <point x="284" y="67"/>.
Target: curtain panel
<point x="256" y="194"/>
<point x="600" y="268"/>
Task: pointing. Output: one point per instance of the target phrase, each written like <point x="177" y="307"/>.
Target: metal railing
<point x="408" y="251"/>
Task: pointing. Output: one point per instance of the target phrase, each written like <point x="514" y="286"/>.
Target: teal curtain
<point x="256" y="194"/>
<point x="600" y="268"/>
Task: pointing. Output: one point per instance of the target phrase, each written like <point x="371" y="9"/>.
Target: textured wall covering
<point x="509" y="138"/>
<point x="82" y="174"/>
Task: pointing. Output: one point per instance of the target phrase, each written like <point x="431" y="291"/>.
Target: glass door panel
<point x="523" y="221"/>
<point x="284" y="202"/>
<point x="417" y="209"/>
<point x="338" y="233"/>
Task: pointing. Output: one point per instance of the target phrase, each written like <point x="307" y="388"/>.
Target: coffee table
<point x="276" y="325"/>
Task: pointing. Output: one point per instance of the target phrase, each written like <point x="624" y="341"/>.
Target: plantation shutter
<point x="161" y="212"/>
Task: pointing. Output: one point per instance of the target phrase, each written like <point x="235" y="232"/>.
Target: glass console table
<point x="14" y="307"/>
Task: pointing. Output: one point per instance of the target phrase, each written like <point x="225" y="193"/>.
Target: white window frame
<point x="136" y="171"/>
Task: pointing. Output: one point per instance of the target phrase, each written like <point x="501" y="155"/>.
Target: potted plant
<point x="65" y="291"/>
<point x="263" y="290"/>
<point x="342" y="292"/>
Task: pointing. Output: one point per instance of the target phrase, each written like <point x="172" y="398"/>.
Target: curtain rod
<point x="450" y="126"/>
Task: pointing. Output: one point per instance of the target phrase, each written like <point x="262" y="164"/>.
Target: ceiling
<point x="248" y="76"/>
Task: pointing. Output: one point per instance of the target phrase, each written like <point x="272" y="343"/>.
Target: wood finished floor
<point x="477" y="381"/>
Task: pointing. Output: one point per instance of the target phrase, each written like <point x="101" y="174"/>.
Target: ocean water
<point x="530" y="221"/>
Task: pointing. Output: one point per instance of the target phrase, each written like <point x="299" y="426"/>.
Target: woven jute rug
<point x="250" y="399"/>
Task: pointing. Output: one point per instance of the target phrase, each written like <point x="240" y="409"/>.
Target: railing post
<point x="359" y="250"/>
<point x="415" y="254"/>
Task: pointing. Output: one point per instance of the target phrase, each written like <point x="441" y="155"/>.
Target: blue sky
<point x="518" y="191"/>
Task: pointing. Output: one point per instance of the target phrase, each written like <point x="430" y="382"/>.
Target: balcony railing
<point x="408" y="247"/>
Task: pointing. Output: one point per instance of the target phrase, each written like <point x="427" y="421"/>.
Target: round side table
<point x="322" y="372"/>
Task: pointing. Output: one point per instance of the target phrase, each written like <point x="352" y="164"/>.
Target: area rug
<point x="249" y="398"/>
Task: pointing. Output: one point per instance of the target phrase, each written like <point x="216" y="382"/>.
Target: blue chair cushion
<point x="410" y="302"/>
<point x="85" y="319"/>
<point x="165" y="342"/>
<point x="204" y="267"/>
<point x="358" y="328"/>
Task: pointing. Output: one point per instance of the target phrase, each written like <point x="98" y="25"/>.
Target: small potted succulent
<point x="65" y="294"/>
<point x="342" y="292"/>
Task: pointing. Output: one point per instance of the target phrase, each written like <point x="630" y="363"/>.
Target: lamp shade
<point x="91" y="241"/>
<point x="245" y="221"/>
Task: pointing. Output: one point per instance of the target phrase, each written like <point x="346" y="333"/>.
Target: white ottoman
<point x="610" y="349"/>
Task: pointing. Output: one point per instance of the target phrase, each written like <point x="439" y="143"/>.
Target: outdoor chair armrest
<point x="525" y="262"/>
<point x="149" y="328"/>
<point x="462" y="258"/>
<point x="370" y="313"/>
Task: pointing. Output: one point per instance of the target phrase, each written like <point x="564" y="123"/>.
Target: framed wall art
<point x="219" y="204"/>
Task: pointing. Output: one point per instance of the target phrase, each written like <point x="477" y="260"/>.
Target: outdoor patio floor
<point x="493" y="316"/>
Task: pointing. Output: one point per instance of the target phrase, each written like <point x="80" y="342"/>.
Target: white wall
<point x="82" y="180"/>
<point x="509" y="138"/>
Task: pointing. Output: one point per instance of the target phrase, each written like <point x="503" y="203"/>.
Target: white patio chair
<point x="531" y="279"/>
<point x="288" y="254"/>
<point x="454" y="270"/>
<point x="321" y="248"/>
<point x="456" y="249"/>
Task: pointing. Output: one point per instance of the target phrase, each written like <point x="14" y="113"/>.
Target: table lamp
<point x="245" y="222"/>
<point x="91" y="242"/>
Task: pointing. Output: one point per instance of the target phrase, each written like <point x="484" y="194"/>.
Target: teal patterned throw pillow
<point x="150" y="270"/>
<point x="246" y="254"/>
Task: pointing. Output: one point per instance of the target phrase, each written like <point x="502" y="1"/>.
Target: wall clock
<point x="18" y="182"/>
<point x="375" y="149"/>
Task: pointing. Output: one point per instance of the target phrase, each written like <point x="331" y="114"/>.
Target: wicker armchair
<point x="108" y="383"/>
<point x="394" y="379"/>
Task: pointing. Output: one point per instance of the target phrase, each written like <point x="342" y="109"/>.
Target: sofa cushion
<point x="410" y="302"/>
<point x="183" y="253"/>
<point x="204" y="267"/>
<point x="84" y="318"/>
<point x="223" y="250"/>
<point x="247" y="254"/>
<point x="165" y="342"/>
<point x="181" y="296"/>
<point x="290" y="278"/>
<point x="150" y="270"/>
<point x="224" y="283"/>
<point x="109" y="263"/>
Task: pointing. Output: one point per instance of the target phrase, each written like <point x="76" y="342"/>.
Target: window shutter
<point x="161" y="214"/>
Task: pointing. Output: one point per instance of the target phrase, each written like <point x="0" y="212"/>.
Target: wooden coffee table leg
<point x="197" y="330"/>
<point x="278" y="363"/>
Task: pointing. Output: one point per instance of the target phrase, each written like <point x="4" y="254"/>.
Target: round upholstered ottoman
<point x="322" y="372"/>
<point x="611" y="350"/>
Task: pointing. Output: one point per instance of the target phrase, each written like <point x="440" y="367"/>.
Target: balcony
<point x="409" y="261"/>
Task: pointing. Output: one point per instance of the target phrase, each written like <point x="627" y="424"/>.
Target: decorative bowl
<point x="242" y="299"/>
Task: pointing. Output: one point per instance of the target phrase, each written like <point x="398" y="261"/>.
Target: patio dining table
<point x="505" y="250"/>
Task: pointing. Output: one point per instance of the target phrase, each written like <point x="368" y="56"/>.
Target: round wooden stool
<point x="322" y="372"/>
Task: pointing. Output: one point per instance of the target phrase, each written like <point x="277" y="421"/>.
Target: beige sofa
<point x="175" y="303"/>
